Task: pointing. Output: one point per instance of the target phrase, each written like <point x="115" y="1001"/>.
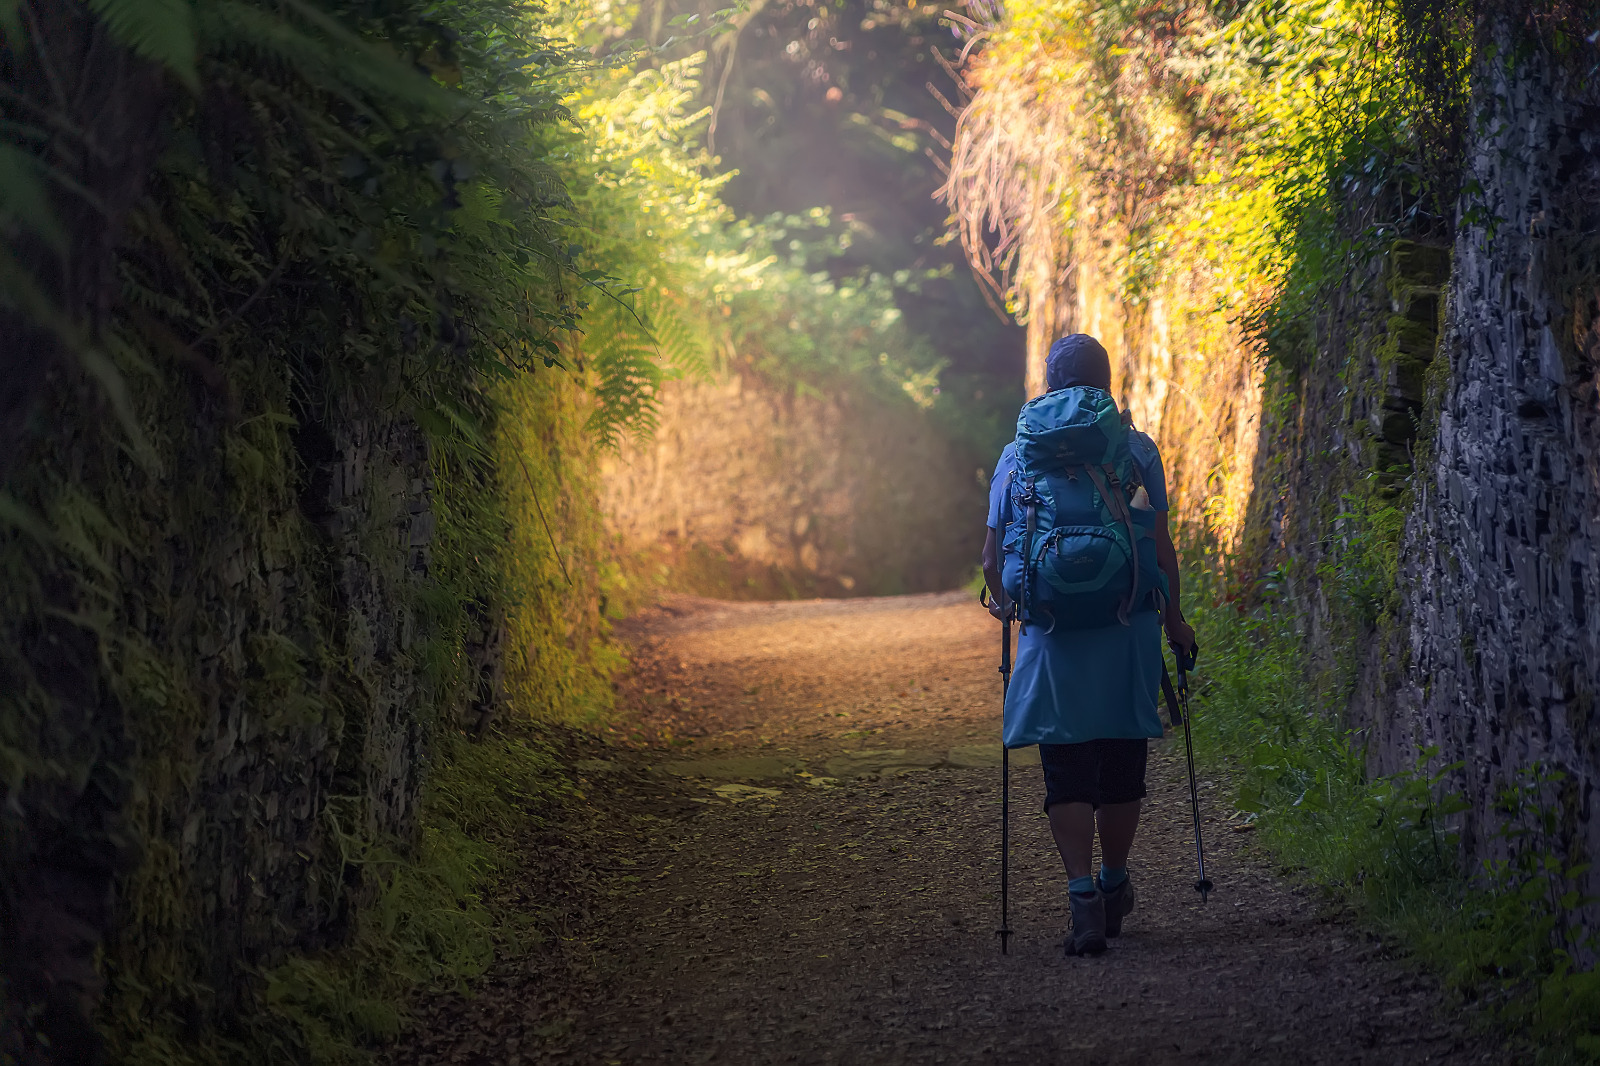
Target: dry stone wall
<point x="1427" y="486"/>
<point x="1500" y="654"/>
<point x="281" y="773"/>
<point x="1337" y="443"/>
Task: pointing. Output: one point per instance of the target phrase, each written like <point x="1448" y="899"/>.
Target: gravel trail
<point x="801" y="865"/>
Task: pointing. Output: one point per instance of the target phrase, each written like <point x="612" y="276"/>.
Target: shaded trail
<point x="757" y="916"/>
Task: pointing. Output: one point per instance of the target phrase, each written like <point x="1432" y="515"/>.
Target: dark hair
<point x="1077" y="360"/>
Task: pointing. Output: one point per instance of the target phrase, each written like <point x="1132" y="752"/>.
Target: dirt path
<point x="805" y="870"/>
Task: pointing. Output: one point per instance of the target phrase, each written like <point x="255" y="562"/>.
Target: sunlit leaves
<point x="1216" y="146"/>
<point x="701" y="290"/>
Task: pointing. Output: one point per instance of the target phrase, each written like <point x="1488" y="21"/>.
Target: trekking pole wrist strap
<point x="1173" y="713"/>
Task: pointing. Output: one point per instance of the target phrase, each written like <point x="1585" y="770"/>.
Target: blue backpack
<point x="1078" y="555"/>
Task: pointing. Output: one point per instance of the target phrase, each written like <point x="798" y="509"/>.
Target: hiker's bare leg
<point x="1118" y="823"/>
<point x="1072" y="824"/>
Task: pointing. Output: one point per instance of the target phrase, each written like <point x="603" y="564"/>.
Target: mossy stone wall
<point x="1434" y="513"/>
<point x="226" y="657"/>
<point x="1499" y="653"/>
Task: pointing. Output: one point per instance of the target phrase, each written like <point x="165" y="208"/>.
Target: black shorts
<point x="1094" y="772"/>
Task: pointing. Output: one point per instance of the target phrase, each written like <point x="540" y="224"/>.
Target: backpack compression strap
<point x="1030" y="500"/>
<point x="1118" y="505"/>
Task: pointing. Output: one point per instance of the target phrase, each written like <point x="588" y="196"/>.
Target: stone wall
<point x="235" y="605"/>
<point x="283" y="769"/>
<point x="1426" y="484"/>
<point x="1335" y="460"/>
<point x="1499" y="659"/>
<point x="748" y="488"/>
<point x="217" y="700"/>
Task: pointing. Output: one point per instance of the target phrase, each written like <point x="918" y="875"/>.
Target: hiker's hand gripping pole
<point x="1185" y="658"/>
<point x="1004" y="932"/>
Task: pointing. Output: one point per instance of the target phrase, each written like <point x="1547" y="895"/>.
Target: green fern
<point x="621" y="351"/>
<point x="159" y="30"/>
<point x="326" y="56"/>
<point x="682" y="340"/>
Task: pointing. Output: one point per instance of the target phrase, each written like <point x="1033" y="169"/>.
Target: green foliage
<point x="404" y="146"/>
<point x="1344" y="114"/>
<point x="553" y="554"/>
<point x="1508" y="941"/>
<point x="717" y="294"/>
<point x="160" y="30"/>
<point x="1362" y="562"/>
<point x="1330" y="122"/>
<point x="24" y="203"/>
<point x="828" y="106"/>
<point x="1520" y="946"/>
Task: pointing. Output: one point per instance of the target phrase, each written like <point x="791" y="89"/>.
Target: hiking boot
<point x="1119" y="901"/>
<point x="1088" y="936"/>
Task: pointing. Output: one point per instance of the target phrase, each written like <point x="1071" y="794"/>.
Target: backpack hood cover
<point x="1072" y="427"/>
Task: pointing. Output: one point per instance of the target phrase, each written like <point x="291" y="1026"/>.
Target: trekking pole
<point x="1005" y="789"/>
<point x="1004" y="931"/>
<point x="1185" y="661"/>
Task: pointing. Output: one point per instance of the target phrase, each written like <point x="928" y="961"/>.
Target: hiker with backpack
<point x="1079" y="553"/>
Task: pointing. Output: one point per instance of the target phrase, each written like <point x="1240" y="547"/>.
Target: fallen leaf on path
<point x="740" y="793"/>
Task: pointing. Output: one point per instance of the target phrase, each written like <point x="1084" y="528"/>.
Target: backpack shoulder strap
<point x="1135" y="475"/>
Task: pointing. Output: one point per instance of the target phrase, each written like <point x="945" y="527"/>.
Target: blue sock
<point x="1083" y="886"/>
<point x="1111" y="878"/>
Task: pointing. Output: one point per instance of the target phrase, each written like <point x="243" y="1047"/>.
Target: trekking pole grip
<point x="1185" y="658"/>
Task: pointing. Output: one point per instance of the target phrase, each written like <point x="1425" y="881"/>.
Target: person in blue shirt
<point x="1102" y="684"/>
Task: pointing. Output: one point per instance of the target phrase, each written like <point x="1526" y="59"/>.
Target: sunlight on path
<point x="805" y="870"/>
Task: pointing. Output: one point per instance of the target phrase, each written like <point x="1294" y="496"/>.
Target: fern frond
<point x="159" y="30"/>
<point x="332" y="58"/>
<point x="622" y="354"/>
<point x="682" y="343"/>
